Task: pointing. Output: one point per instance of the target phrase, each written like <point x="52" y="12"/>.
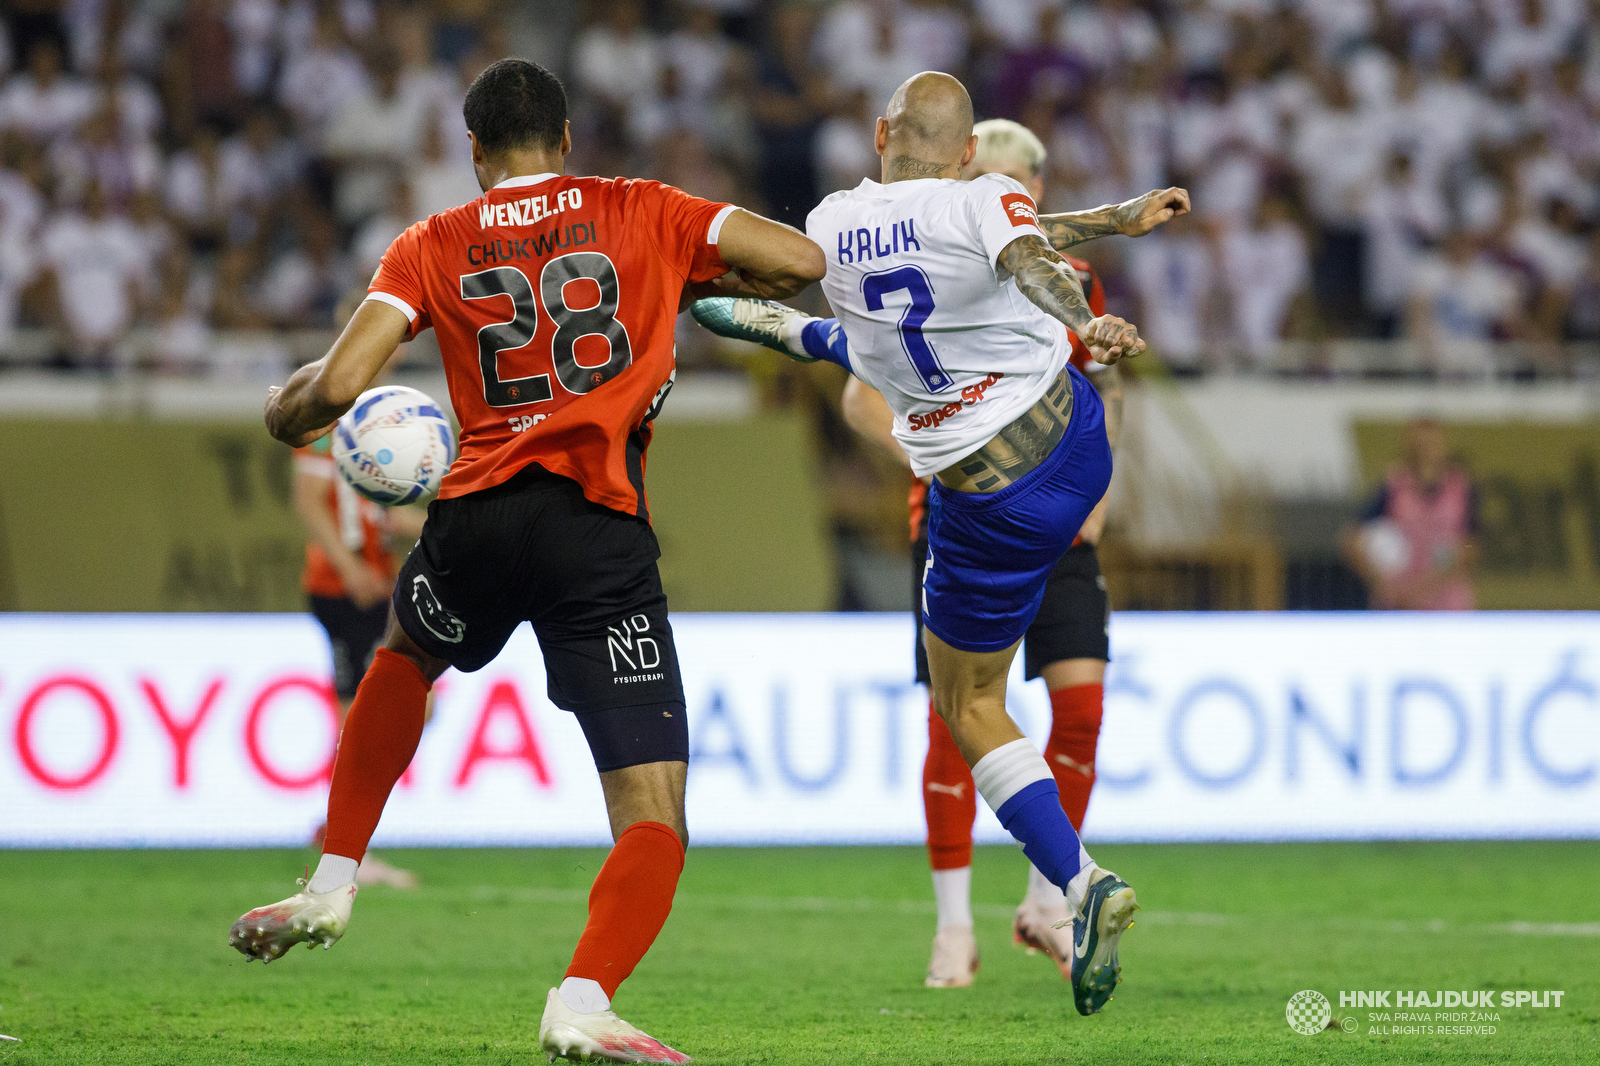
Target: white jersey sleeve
<point x="1001" y="211"/>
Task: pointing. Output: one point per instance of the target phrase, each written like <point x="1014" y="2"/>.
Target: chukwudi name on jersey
<point x="542" y="291"/>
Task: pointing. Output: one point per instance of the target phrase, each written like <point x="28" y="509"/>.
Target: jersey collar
<point x="522" y="181"/>
<point x="896" y="188"/>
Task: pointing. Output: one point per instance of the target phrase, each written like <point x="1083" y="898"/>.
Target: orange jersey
<point x="918" y="501"/>
<point x="554" y="300"/>
<point x="360" y="523"/>
<point x="917" y="505"/>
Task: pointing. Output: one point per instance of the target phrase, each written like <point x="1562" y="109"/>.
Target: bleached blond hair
<point x="1002" y="142"/>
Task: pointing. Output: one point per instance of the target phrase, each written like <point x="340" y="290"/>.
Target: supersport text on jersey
<point x="934" y="323"/>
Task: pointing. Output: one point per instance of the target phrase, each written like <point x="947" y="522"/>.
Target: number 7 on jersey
<point x="912" y="280"/>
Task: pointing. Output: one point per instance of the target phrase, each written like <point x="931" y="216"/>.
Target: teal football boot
<point x="1107" y="913"/>
<point x="762" y="322"/>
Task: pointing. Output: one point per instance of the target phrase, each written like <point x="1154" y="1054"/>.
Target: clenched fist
<point x="1140" y="215"/>
<point x="1111" y="339"/>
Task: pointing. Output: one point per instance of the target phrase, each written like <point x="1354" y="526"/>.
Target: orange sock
<point x="1074" y="735"/>
<point x="629" y="904"/>
<point x="379" y="738"/>
<point x="949" y="798"/>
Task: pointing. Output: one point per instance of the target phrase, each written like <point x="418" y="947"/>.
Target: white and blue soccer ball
<point x="394" y="446"/>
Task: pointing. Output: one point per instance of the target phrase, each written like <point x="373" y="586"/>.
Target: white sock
<point x="333" y="871"/>
<point x="584" y="995"/>
<point x="952" y="894"/>
<point x="1042" y="890"/>
<point x="1007" y="770"/>
<point x="1078" y="887"/>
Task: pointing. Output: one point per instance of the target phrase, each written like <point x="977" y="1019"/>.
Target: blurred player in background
<point x="351" y="549"/>
<point x="1416" y="547"/>
<point x="961" y="323"/>
<point x="554" y="299"/>
<point x="1067" y="643"/>
<point x="348" y="579"/>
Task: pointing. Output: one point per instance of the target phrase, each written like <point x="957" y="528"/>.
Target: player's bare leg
<point x="377" y="743"/>
<point x="969" y="693"/>
<point x="628" y="905"/>
<point x="1076" y="688"/>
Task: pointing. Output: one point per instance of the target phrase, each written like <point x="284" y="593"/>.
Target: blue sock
<point x="1015" y="781"/>
<point x="1035" y="818"/>
<point x="823" y="338"/>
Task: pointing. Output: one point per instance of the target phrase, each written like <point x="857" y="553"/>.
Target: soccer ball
<point x="394" y="446"/>
<point x="1385" y="547"/>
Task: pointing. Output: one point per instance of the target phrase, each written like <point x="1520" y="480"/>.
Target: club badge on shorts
<point x="438" y="621"/>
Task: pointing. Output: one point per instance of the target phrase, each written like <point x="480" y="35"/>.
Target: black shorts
<point x="1074" y="617"/>
<point x="535" y="549"/>
<point x="355" y="633"/>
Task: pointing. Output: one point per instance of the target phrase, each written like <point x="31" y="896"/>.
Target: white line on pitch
<point x="840" y="905"/>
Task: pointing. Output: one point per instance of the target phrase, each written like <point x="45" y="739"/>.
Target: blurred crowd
<point x="220" y="164"/>
<point x="1425" y="169"/>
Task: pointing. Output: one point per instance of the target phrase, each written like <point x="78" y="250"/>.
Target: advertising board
<point x="197" y="730"/>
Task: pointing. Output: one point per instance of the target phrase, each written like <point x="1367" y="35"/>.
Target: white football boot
<point x="597" y="1037"/>
<point x="954" y="959"/>
<point x="1035" y="928"/>
<point x="764" y="322"/>
<point x="306" y="917"/>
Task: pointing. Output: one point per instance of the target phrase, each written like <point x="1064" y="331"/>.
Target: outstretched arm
<point x="1108" y="382"/>
<point x="318" y="393"/>
<point x="1131" y="218"/>
<point x="868" y="413"/>
<point x="1051" y="284"/>
<point x="769" y="260"/>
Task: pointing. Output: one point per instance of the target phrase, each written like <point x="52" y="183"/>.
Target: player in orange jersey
<point x="348" y="579"/>
<point x="554" y="300"/>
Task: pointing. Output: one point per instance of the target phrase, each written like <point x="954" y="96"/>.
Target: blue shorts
<point x="990" y="554"/>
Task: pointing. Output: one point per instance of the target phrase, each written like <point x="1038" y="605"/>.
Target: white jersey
<point x="933" y="322"/>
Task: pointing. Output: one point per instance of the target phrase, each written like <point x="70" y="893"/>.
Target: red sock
<point x="379" y="738"/>
<point x="629" y="904"/>
<point x="1074" y="734"/>
<point x="949" y="799"/>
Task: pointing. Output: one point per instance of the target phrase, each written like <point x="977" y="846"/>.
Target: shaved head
<point x="927" y="128"/>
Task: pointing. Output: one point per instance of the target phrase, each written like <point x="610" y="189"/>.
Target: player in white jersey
<point x="1067" y="644"/>
<point x="956" y="309"/>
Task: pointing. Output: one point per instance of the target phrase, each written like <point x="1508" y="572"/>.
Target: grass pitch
<point x="800" y="956"/>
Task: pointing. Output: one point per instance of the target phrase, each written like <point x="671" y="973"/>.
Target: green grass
<point x="798" y="956"/>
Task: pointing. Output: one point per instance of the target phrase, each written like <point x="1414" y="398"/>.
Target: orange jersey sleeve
<point x="554" y="300"/>
<point x="1097" y="306"/>
<point x="686" y="222"/>
<point x="398" y="281"/>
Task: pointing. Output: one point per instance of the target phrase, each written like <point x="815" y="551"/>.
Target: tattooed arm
<point x="1108" y="383"/>
<point x="1131" y="218"/>
<point x="1051" y="284"/>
